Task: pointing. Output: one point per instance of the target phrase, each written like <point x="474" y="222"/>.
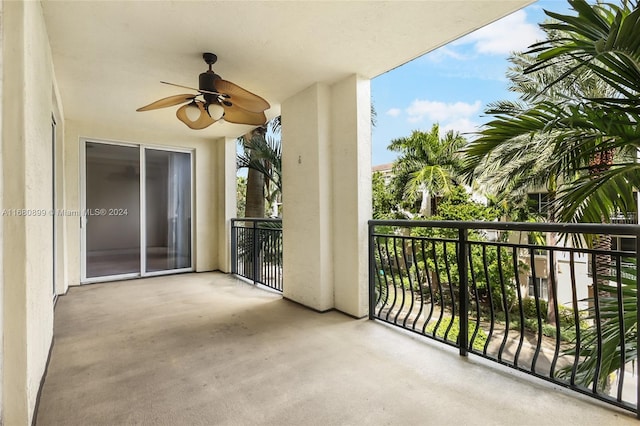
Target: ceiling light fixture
<point x="215" y="99"/>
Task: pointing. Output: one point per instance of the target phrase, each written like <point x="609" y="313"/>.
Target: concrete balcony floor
<point x="208" y="349"/>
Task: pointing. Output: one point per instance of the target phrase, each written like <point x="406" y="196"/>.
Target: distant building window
<point x="543" y="288"/>
<point x="623" y="244"/>
<point x="538" y="203"/>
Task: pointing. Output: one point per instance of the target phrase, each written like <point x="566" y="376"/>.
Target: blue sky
<point x="453" y="84"/>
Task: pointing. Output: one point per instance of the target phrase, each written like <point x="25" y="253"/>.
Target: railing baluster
<point x="450" y="285"/>
<point x="536" y="296"/>
<point x="576" y="317"/>
<point x="254" y="256"/>
<point x="440" y="291"/>
<point x="598" y="324"/>
<point x="373" y="273"/>
<point x="418" y="284"/>
<point x="386" y="280"/>
<point x="505" y="303"/>
<point x="553" y="290"/>
<point x="408" y="268"/>
<point x="476" y="298"/>
<point x="234" y="247"/>
<point x="393" y="277"/>
<point x="621" y="324"/>
<point x="427" y="273"/>
<point x="490" y="293"/>
<point x="503" y="290"/>
<point x="463" y="335"/>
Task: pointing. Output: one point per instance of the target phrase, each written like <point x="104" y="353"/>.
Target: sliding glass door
<point x="112" y="215"/>
<point x="167" y="210"/>
<point x="137" y="208"/>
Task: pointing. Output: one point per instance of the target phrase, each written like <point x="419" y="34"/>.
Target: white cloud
<point x="462" y="126"/>
<point x="394" y="112"/>
<point x="436" y="111"/>
<point x="509" y="34"/>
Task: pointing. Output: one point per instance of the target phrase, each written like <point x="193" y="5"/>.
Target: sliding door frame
<point x="143" y="209"/>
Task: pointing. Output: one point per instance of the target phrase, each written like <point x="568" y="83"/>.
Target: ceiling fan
<point x="221" y="99"/>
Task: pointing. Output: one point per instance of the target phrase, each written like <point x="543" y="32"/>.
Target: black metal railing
<point x="552" y="300"/>
<point x="256" y="250"/>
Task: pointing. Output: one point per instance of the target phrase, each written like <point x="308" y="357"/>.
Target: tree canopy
<point x="576" y="126"/>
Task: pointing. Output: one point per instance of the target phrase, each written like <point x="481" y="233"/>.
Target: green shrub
<point x="529" y="307"/>
<point x="567" y="317"/>
<point x="479" y="341"/>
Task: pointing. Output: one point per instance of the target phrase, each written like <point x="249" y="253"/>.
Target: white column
<point x="326" y="140"/>
<point x="306" y="198"/>
<point x="351" y="175"/>
<point x="225" y="169"/>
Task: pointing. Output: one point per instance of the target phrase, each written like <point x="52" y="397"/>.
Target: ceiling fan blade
<point x="167" y="102"/>
<point x="202" y="122"/>
<point x="192" y="88"/>
<point x="241" y="97"/>
<point x="179" y="85"/>
<point x="237" y="115"/>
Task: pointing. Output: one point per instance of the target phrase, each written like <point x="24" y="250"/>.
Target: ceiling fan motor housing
<point x="207" y="82"/>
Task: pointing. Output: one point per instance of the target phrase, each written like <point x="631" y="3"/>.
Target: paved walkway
<point x="208" y="349"/>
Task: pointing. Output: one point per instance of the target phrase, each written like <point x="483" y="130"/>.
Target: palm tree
<point x="428" y="165"/>
<point x="265" y="158"/>
<point x="262" y="156"/>
<point x="593" y="139"/>
<point x="526" y="163"/>
<point x="254" y="199"/>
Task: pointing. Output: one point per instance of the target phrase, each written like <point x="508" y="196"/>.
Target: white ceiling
<point x="109" y="56"/>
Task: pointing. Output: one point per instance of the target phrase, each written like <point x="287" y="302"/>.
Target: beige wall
<point x="326" y="161"/>
<point x="27" y="184"/>
<point x="225" y="189"/>
<point x="30" y="98"/>
<point x="1" y="217"/>
<point x="307" y="203"/>
<point x="351" y="154"/>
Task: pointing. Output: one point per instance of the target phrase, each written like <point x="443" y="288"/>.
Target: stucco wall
<point x="307" y="203"/>
<point x="29" y="100"/>
<point x="27" y="240"/>
<point x="225" y="187"/>
<point x="1" y="219"/>
<point x="326" y="160"/>
<point x="351" y="154"/>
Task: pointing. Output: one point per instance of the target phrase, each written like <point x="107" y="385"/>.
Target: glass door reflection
<point x="113" y="210"/>
<point x="167" y="210"/>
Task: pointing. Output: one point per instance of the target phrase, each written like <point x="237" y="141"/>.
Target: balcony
<point x="527" y="291"/>
<point x="208" y="348"/>
<point x="529" y="306"/>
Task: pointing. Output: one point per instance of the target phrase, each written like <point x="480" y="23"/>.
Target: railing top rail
<point x="583" y="228"/>
<point x="256" y="219"/>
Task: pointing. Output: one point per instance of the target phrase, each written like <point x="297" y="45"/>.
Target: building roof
<point x="382" y="167"/>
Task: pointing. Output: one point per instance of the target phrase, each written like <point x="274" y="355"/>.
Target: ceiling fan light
<point x="192" y="112"/>
<point x="216" y="111"/>
<point x="202" y="121"/>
